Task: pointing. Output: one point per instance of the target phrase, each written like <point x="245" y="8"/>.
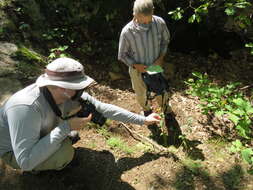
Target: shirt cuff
<point x="64" y="128"/>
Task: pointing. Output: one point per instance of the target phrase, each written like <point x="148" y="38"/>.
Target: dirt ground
<point x="110" y="158"/>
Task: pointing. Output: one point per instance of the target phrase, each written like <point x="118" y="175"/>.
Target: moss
<point x="28" y="55"/>
<point x="29" y="63"/>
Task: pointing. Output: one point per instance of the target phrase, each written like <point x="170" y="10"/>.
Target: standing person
<point x="143" y="43"/>
<point x="35" y="122"/>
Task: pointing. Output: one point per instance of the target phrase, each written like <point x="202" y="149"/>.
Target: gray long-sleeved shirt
<point x="30" y="128"/>
<point x="143" y="46"/>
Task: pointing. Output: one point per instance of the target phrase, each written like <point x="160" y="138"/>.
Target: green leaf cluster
<point x="58" y="52"/>
<point x="250" y="45"/>
<point x="246" y="153"/>
<point x="226" y="100"/>
<point x="237" y="10"/>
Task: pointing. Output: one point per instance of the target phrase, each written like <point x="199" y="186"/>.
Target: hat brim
<point x="73" y="85"/>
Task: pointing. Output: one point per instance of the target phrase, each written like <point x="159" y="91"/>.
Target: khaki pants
<point x="140" y="89"/>
<point x="57" y="161"/>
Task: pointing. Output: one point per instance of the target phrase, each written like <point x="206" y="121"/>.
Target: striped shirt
<point x="143" y="46"/>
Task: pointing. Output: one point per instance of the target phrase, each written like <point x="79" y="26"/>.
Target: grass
<point x="104" y="132"/>
<point x="118" y="143"/>
<point x="193" y="165"/>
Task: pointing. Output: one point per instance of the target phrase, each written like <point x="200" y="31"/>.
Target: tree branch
<point x="144" y="139"/>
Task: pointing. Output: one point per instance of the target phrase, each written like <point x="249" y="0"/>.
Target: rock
<point x="7" y="64"/>
<point x="8" y="86"/>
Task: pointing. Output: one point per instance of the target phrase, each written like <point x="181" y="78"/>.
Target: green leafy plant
<point x="223" y="101"/>
<point x="238" y="12"/>
<point x="177" y="14"/>
<point x="55" y="33"/>
<point x="246" y="153"/>
<point x="104" y="132"/>
<point x="58" y="52"/>
<point x="201" y="8"/>
<point x="162" y="126"/>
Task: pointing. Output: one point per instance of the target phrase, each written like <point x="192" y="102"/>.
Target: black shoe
<point x="74" y="136"/>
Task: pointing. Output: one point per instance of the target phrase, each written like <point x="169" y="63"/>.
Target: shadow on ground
<point x="199" y="178"/>
<point x="90" y="170"/>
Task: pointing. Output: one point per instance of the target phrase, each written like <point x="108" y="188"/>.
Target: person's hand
<point x="152" y="118"/>
<point x="159" y="62"/>
<point x="139" y="67"/>
<point x="76" y="123"/>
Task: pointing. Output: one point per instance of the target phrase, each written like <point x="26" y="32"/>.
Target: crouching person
<point x="36" y="124"/>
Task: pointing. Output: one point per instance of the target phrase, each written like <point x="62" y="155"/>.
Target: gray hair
<point x="144" y="7"/>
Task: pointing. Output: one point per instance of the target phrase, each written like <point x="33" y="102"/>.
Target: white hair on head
<point x="144" y="7"/>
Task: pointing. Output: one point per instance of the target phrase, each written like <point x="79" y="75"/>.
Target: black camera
<point x="87" y="108"/>
<point x="156" y="83"/>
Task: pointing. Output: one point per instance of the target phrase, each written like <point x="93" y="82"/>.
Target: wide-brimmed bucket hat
<point x="65" y="73"/>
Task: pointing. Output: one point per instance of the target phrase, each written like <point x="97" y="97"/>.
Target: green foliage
<point x="162" y="126"/>
<point x="185" y="142"/>
<point x="144" y="147"/>
<point x="223" y="101"/>
<point x="201" y="8"/>
<point x="194" y="166"/>
<point x="246" y="153"/>
<point x="237" y="11"/>
<point x="177" y="14"/>
<point x="250" y="45"/>
<point x="116" y="142"/>
<point x="25" y="53"/>
<point x="58" y="52"/>
<point x="104" y="132"/>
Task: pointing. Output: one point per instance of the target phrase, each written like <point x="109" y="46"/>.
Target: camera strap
<point x="49" y="98"/>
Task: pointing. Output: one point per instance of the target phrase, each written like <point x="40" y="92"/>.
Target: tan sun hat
<point x="65" y="73"/>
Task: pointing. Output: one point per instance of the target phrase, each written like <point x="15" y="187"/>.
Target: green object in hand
<point x="153" y="69"/>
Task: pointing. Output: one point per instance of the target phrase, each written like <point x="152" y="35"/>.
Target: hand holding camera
<point x="88" y="108"/>
<point x="76" y="123"/>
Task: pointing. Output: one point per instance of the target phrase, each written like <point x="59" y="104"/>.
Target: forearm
<point x="114" y="112"/>
<point x="126" y="60"/>
<point x="119" y="114"/>
<point x="160" y="60"/>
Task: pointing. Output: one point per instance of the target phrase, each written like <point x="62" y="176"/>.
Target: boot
<point x="173" y="129"/>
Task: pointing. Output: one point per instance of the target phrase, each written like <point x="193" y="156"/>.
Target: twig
<point x="142" y="139"/>
<point x="246" y="87"/>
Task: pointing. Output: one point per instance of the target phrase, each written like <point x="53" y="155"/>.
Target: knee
<point x="67" y="151"/>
